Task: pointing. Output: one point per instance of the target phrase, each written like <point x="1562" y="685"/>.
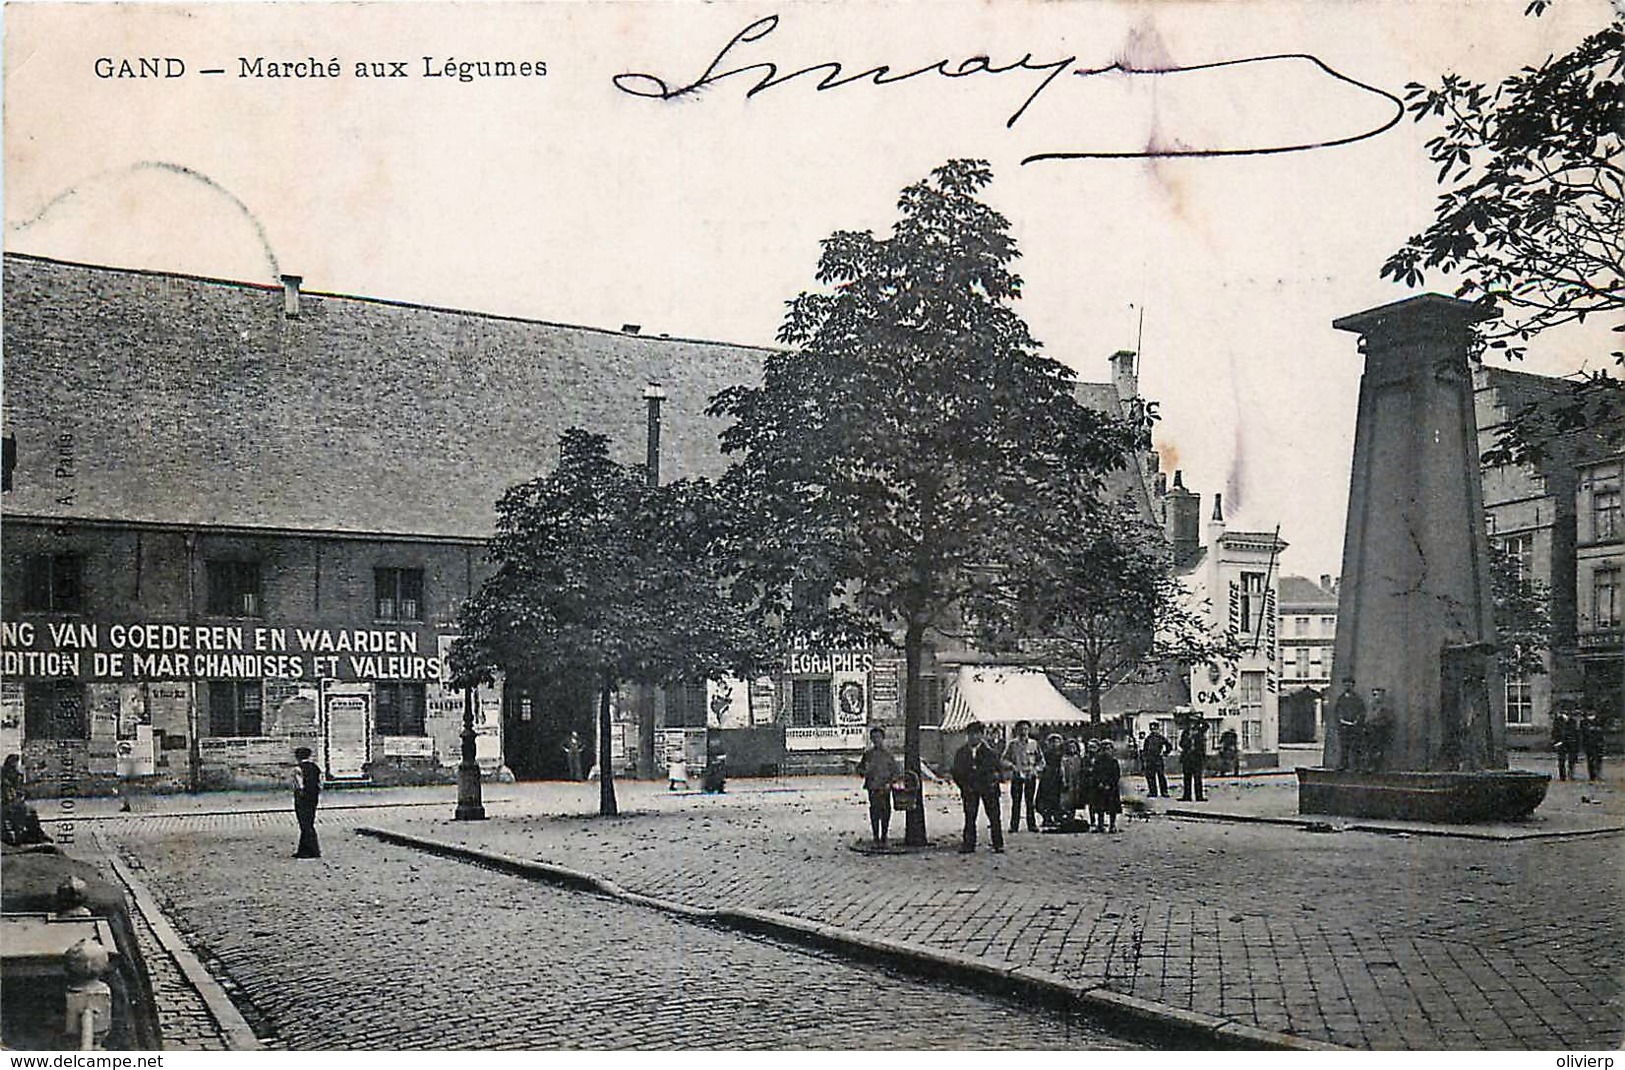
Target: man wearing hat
<point x="976" y="770"/>
<point x="1350" y="712"/>
<point x="307" y="789"/>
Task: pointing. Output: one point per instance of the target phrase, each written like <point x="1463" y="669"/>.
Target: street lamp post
<point x="653" y="395"/>
<point x="470" y="807"/>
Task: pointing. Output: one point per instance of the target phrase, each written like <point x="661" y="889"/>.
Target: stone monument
<point x="1415" y="622"/>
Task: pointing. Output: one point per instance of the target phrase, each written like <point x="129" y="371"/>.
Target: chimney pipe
<point x="654" y="395"/>
<point x="290" y="295"/>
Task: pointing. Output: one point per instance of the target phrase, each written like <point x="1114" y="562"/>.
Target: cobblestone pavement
<point x="376" y="946"/>
<point x="1357" y="939"/>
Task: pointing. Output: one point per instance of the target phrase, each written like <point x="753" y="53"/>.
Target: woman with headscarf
<point x="1048" y="802"/>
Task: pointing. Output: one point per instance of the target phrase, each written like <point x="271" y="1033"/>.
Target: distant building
<point x="243" y="517"/>
<point x="1556" y="522"/>
<point x="1236" y="576"/>
<point x="1308" y="632"/>
<point x="1599" y="569"/>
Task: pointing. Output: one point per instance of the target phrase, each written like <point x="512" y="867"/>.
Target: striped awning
<point x="1005" y="695"/>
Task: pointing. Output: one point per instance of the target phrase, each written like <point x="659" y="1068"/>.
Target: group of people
<point x="1576" y="731"/>
<point x="1363" y="735"/>
<point x="1060" y="777"/>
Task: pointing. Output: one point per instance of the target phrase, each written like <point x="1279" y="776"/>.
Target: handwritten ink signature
<point x="834" y="76"/>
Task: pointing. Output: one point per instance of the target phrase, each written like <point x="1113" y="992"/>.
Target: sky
<point x="582" y="197"/>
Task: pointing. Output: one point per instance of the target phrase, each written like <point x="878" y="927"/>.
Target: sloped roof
<point x="1301" y="591"/>
<point x="197" y="401"/>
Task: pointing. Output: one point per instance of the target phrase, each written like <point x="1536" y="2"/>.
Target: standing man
<point x="976" y="770"/>
<point x="1229" y="752"/>
<point x="572" y="755"/>
<point x="1379" y="731"/>
<point x="1350" y="713"/>
<point x="1152" y="752"/>
<point x="1591" y="739"/>
<point x="1565" y="737"/>
<point x="307" y="790"/>
<point x="1193" y="756"/>
<point x="879" y="768"/>
<point x="1025" y="760"/>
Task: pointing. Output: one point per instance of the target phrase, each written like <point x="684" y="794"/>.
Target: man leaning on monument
<point x="1379" y="731"/>
<point x="1350" y="713"/>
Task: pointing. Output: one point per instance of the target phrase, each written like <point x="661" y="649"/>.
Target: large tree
<point x="1531" y="215"/>
<point x="601" y="577"/>
<point x="1108" y="609"/>
<point x="911" y="446"/>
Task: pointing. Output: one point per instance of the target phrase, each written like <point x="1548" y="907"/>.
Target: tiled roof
<point x="197" y="401"/>
<point x="1300" y="591"/>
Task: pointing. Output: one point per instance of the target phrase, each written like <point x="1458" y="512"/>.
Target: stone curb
<point x="1393" y="830"/>
<point x="150" y="815"/>
<point x="1187" y="1030"/>
<point x="227" y="1018"/>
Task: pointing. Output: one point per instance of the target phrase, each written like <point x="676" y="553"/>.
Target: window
<point x="1520" y="707"/>
<point x="235" y="707"/>
<point x="1605" y="506"/>
<point x="811" y="703"/>
<point x="234" y="588"/>
<point x="399" y="593"/>
<point x="1328" y="625"/>
<point x="1303" y="661"/>
<point x="1252" y="735"/>
<point x="400" y="710"/>
<point x="1300" y="626"/>
<point x="1252" y="689"/>
<point x="1605" y="598"/>
<point x="52" y="583"/>
<point x="685" y="705"/>
<point x="1252" y="601"/>
<point x="1520" y="554"/>
<point x="54" y="709"/>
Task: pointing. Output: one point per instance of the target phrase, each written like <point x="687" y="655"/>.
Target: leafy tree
<point x="1108" y="610"/>
<point x="1523" y="616"/>
<point x="1531" y="216"/>
<point x="912" y="446"/>
<point x="601" y="577"/>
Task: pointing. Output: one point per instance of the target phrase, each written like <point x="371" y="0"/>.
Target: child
<point x="878" y="767"/>
<point x="1108" y="800"/>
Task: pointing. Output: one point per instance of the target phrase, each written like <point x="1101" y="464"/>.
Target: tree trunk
<point x="914" y="708"/>
<point x="606" y="769"/>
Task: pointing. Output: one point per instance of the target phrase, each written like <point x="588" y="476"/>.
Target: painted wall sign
<point x="104" y="651"/>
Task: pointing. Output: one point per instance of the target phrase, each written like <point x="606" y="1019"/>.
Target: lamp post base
<point x="470" y="807"/>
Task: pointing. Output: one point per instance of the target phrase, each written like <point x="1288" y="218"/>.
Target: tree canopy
<point x="1531" y="216"/>
<point x="1108" y="609"/>
<point x="912" y="445"/>
<point x="603" y="578"/>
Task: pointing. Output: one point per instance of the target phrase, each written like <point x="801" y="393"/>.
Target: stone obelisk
<point x="1414" y="614"/>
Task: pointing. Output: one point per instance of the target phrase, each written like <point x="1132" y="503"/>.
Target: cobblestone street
<point x="376" y="946"/>
<point x="1358" y="939"/>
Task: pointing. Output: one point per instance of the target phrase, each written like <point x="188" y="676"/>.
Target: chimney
<point x="1184" y="518"/>
<point x="1215" y="524"/>
<point x="653" y="395"/>
<point x="1123" y="375"/>
<point x="1326" y="583"/>
<point x="630" y="328"/>
<point x="290" y="295"/>
<point x="1162" y="483"/>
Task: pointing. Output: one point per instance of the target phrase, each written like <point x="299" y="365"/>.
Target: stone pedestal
<point x="1450" y="798"/>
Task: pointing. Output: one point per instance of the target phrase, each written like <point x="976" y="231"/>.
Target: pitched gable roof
<point x="198" y="401"/>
